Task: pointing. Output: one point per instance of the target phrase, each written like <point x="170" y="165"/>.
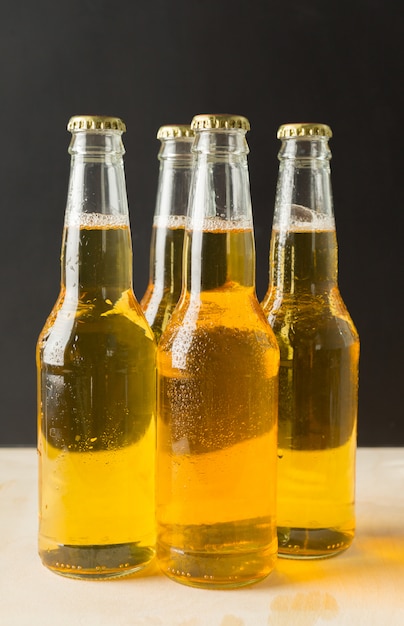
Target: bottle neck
<point x="303" y="255"/>
<point x="176" y="164"/>
<point x="219" y="243"/>
<point x="96" y="248"/>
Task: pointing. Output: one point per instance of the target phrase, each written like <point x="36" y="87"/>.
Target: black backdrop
<point x="161" y="62"/>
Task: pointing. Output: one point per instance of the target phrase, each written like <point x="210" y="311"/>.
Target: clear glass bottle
<point x="165" y="282"/>
<point x="217" y="377"/>
<point x="96" y="379"/>
<point x="319" y="348"/>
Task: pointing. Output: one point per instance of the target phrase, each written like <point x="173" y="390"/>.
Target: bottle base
<point x="309" y="543"/>
<point x="98" y="562"/>
<point x="217" y="570"/>
<point x="218" y="556"/>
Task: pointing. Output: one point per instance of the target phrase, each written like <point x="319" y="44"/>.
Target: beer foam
<point x="170" y="221"/>
<point x="96" y="220"/>
<point x="218" y="224"/>
<point x="302" y="219"/>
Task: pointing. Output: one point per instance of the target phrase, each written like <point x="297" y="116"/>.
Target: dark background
<point x="160" y="61"/>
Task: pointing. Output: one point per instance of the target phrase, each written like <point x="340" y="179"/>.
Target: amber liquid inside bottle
<point x="164" y="289"/>
<point x="217" y="415"/>
<point x="318" y="387"/>
<point x="96" y="357"/>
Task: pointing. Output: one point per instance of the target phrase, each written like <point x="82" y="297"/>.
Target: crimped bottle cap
<point x="287" y="131"/>
<point x="175" y="131"/>
<point x="220" y="121"/>
<point x="95" y="122"/>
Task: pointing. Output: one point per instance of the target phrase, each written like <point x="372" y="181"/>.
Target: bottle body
<point x="217" y="369"/>
<point x="96" y="397"/>
<point x="167" y="239"/>
<point x="319" y="351"/>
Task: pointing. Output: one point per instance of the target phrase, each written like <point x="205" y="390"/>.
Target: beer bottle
<point x="319" y="348"/>
<point x="96" y="379"/>
<point x="167" y="240"/>
<point x="217" y="384"/>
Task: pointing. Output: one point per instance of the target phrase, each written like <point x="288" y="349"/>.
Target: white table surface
<point x="364" y="586"/>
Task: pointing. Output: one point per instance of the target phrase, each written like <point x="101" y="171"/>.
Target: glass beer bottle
<point x="165" y="282"/>
<point x="96" y="379"/>
<point x="217" y="372"/>
<point x="319" y="348"/>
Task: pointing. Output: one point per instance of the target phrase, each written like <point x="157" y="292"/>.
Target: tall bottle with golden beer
<point x="319" y="348"/>
<point x="96" y="379"/>
<point x="166" y="249"/>
<point x="217" y="377"/>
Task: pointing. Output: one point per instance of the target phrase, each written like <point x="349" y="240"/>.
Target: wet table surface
<point x="362" y="586"/>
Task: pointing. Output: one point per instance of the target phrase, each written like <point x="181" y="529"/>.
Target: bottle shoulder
<point x="158" y="298"/>
<point x="318" y="299"/>
<point x="158" y="312"/>
<point x="321" y="317"/>
<point x="212" y="314"/>
<point x="72" y="320"/>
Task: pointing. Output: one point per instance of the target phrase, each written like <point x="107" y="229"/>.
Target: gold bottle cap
<point x="288" y="131"/>
<point x="221" y="121"/>
<point x="95" y="122"/>
<point x="175" y="131"/>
